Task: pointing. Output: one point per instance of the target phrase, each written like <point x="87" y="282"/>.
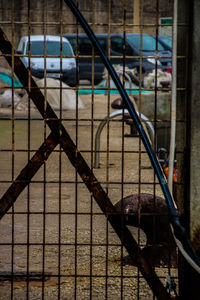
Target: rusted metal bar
<point x="25" y="176"/>
<point x="75" y="157"/>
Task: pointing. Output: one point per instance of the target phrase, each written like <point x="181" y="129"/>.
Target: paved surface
<point x="89" y="256"/>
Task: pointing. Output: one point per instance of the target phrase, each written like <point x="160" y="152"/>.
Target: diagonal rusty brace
<point x="25" y="176"/>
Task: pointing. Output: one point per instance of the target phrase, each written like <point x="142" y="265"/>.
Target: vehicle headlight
<point x="153" y="61"/>
<point x="71" y="65"/>
<point x="33" y="65"/>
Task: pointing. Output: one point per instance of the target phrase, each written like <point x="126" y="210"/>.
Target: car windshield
<point x="52" y="48"/>
<point x="148" y="42"/>
<point x="85" y="45"/>
<point x="167" y="40"/>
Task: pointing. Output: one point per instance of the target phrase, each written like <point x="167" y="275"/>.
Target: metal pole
<point x="136" y="15"/>
<point x="173" y="99"/>
<point x="189" y="288"/>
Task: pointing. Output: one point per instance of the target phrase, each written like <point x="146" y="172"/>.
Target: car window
<point x="117" y="46"/>
<point x="85" y="45"/>
<point x="167" y="40"/>
<point x="103" y="43"/>
<point x="52" y="48"/>
<point x="72" y="41"/>
<point x="148" y="42"/>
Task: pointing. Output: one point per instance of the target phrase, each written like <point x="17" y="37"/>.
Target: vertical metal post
<point x="188" y="137"/>
<point x="195" y="128"/>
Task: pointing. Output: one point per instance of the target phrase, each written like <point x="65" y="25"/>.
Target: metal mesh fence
<point x="70" y="152"/>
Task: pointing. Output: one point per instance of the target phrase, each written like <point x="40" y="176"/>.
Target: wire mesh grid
<point x="57" y="241"/>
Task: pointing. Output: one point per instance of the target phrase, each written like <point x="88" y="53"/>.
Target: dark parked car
<point x="165" y="41"/>
<point x="132" y="53"/>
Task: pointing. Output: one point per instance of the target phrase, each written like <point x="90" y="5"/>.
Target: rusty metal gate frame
<point x="59" y="135"/>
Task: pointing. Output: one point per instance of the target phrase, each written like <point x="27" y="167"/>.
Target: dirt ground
<point x="76" y="249"/>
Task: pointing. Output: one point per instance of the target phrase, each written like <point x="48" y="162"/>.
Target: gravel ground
<point x="78" y="251"/>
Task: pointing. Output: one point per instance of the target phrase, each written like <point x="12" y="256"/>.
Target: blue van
<point x="137" y="52"/>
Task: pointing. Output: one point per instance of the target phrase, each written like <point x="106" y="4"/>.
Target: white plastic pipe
<point x="173" y="99"/>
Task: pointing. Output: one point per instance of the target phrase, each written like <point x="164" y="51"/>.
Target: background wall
<point x="45" y="16"/>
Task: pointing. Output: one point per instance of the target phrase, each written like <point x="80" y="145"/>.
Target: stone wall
<point x="46" y="17"/>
